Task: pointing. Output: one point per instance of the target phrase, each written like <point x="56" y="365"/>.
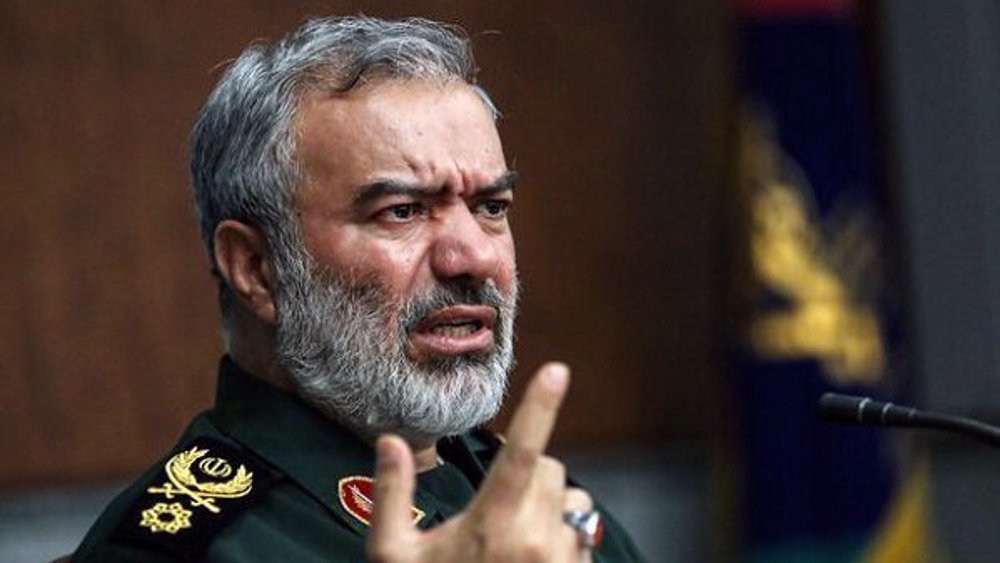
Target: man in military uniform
<point x="353" y="196"/>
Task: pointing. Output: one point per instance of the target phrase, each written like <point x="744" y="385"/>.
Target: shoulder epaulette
<point x="194" y="496"/>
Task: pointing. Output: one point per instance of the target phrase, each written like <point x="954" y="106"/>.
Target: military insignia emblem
<point x="182" y="481"/>
<point x="356" y="495"/>
<point x="163" y="517"/>
<point x="196" y="493"/>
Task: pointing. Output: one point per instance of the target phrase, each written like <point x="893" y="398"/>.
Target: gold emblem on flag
<point x="822" y="270"/>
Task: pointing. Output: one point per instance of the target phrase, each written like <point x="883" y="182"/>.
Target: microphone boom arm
<point x="869" y="412"/>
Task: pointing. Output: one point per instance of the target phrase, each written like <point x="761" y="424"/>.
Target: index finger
<point x="511" y="473"/>
<point x="533" y="421"/>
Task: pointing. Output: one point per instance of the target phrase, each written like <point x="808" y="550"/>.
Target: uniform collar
<point x="310" y="448"/>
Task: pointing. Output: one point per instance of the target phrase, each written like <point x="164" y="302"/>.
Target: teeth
<point x="454" y="330"/>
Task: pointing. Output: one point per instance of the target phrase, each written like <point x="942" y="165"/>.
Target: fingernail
<point x="556" y="377"/>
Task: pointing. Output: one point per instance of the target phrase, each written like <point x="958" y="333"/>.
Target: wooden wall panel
<point x="614" y="115"/>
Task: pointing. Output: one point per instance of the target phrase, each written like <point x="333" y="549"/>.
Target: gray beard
<point x="345" y="346"/>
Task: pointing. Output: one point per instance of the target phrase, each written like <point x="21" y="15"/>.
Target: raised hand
<point x="517" y="515"/>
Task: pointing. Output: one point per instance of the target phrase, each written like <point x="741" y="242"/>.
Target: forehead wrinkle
<point x="422" y="167"/>
<point x="383" y="150"/>
<point x="436" y="179"/>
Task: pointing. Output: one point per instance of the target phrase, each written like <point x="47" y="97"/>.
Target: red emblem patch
<point x="356" y="495"/>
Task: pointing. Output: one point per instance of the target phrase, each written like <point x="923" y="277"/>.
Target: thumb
<point x="392" y="519"/>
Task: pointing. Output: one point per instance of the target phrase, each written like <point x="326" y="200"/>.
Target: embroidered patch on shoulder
<point x="193" y="496"/>
<point x="357" y="493"/>
<point x="163" y="517"/>
<point x="202" y="478"/>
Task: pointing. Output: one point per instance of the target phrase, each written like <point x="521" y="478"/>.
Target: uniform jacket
<point x="263" y="476"/>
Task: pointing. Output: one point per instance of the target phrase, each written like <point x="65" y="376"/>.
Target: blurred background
<point x="726" y="207"/>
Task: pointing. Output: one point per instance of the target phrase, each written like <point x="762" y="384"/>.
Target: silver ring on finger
<point x="588" y="526"/>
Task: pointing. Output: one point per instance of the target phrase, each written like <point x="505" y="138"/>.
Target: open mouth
<point x="455" y="330"/>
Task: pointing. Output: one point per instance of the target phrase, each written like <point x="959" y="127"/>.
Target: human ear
<point x="243" y="258"/>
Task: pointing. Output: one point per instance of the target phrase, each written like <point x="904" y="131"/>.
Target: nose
<point x="463" y="249"/>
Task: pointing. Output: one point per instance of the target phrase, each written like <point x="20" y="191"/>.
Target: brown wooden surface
<point x="615" y="115"/>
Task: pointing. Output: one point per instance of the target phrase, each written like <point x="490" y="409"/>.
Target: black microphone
<point x="869" y="412"/>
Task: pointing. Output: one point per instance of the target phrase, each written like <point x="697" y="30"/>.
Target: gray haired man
<point x="353" y="197"/>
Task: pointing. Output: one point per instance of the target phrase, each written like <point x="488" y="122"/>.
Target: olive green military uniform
<point x="264" y="477"/>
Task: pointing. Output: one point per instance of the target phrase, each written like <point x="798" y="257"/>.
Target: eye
<point x="401" y="212"/>
<point x="494" y="208"/>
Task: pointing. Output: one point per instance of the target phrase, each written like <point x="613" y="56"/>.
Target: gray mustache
<point x="450" y="295"/>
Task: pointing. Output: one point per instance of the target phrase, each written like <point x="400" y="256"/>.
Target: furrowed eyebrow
<point x="382" y="188"/>
<point x="504" y="183"/>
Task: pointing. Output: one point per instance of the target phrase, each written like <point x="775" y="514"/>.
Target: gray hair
<point x="243" y="163"/>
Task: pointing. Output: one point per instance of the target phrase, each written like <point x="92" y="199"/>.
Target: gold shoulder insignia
<point x="196" y="493"/>
<point x="183" y="482"/>
<point x="162" y="517"/>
